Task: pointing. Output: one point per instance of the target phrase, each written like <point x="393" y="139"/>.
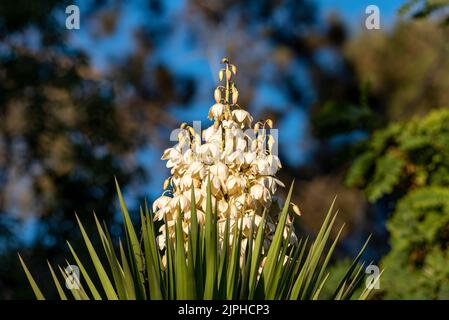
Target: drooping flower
<point x="216" y="111"/>
<point x="242" y="117"/>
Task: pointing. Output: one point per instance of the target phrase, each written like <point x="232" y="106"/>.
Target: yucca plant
<point x="221" y="236"/>
<point x="207" y="268"/>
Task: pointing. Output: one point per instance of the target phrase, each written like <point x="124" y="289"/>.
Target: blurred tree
<point x="408" y="163"/>
<point x="61" y="138"/>
<point x="406" y="70"/>
<point x="66" y="130"/>
<point x="425" y="8"/>
<point x="402" y="75"/>
<point x="396" y="75"/>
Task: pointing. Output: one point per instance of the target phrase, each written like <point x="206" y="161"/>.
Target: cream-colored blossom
<point x="240" y="165"/>
<point x="217" y="111"/>
<point x="242" y="117"/>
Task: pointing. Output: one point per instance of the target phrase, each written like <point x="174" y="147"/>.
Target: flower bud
<point x="296" y="209"/>
<point x="166" y="182"/>
<point x="228" y="74"/>
<point x="270" y="142"/>
<point x="233" y="69"/>
<point x="256" y="127"/>
<point x="217" y="95"/>
<point x="235" y="96"/>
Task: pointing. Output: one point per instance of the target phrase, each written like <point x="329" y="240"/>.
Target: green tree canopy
<point x="409" y="161"/>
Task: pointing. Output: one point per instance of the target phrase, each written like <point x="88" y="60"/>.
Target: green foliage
<point x="336" y="271"/>
<point x="337" y="118"/>
<point x="208" y="268"/>
<point x="417" y="265"/>
<point x="410" y="161"/>
<point x="404" y="156"/>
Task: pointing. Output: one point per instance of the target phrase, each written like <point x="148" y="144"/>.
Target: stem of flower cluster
<point x="227" y="85"/>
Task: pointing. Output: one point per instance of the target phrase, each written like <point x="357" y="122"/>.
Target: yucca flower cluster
<point x="226" y="177"/>
<point x="236" y="157"/>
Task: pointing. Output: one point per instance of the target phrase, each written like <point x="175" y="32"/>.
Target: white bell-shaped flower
<point x="216" y="111"/>
<point x="243" y="117"/>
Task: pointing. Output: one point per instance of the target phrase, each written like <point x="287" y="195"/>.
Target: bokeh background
<point x="362" y="114"/>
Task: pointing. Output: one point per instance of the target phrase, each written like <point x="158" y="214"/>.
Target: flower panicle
<point x="236" y="156"/>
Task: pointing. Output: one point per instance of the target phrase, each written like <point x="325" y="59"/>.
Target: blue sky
<point x="353" y="11"/>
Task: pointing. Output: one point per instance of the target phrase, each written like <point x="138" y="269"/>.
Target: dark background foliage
<point x="80" y="107"/>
